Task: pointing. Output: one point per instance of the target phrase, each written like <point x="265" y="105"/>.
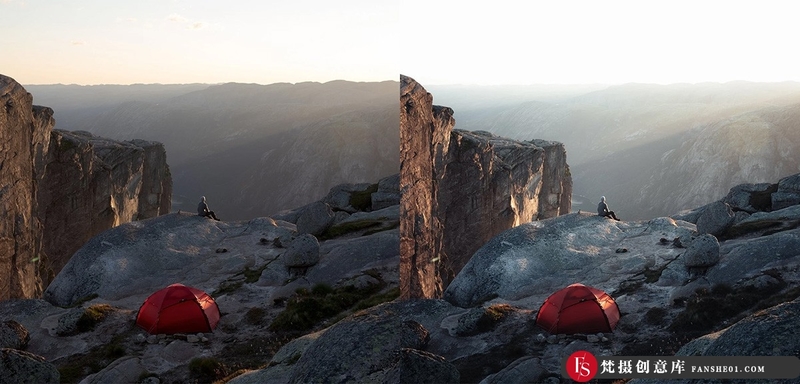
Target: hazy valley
<point x="652" y="150"/>
<point x="253" y="150"/>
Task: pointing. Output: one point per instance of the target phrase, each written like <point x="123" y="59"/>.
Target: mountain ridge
<point x="201" y="127"/>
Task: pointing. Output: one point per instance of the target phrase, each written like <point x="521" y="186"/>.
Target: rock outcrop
<point x="771" y="332"/>
<point x="61" y="188"/>
<point x="490" y="184"/>
<point x="251" y="281"/>
<point x="370" y="345"/>
<point x="188" y="248"/>
<point x="302" y="252"/>
<point x="424" y="140"/>
<point x="531" y="259"/>
<point x="177" y="248"/>
<point x="13" y="335"/>
<point x="749" y="208"/>
<point x="91" y="184"/>
<point x="461" y="188"/>
<point x="25" y="134"/>
<point x="23" y="367"/>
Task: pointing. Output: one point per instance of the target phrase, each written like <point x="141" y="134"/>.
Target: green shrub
<point x="252" y="275"/>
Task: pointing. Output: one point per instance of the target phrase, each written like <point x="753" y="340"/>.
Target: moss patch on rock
<point x="92" y="316"/>
<point x="350" y="227"/>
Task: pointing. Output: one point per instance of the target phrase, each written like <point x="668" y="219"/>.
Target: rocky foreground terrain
<point x="259" y="272"/>
<point x="680" y="288"/>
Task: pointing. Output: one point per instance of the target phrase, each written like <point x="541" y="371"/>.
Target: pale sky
<point x="197" y="41"/>
<point x="433" y="41"/>
<point x="604" y="41"/>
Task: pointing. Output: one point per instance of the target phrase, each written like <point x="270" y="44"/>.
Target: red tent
<point x="578" y="309"/>
<point x="178" y="309"/>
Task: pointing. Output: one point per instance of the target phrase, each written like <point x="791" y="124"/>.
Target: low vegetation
<point x="92" y="316"/>
<point x="493" y="314"/>
<point x="310" y="307"/>
<point x="710" y="309"/>
<point x="255" y="315"/>
<point x="207" y="369"/>
<point x="655" y="316"/>
<point x="369" y="226"/>
<point x="251" y="353"/>
<point x="76" y="367"/>
<point x="238" y="280"/>
<point x="350" y="227"/>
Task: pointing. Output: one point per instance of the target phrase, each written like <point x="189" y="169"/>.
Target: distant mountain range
<point x="253" y="150"/>
<point x="653" y="150"/>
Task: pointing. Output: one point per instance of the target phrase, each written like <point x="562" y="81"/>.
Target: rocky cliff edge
<point x="59" y="188"/>
<point x="460" y="188"/>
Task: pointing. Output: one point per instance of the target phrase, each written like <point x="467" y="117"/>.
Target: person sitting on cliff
<point x="202" y="209"/>
<point x="602" y="209"/>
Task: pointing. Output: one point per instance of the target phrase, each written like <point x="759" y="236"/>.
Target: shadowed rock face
<point x="61" y="188"/>
<point x="491" y="184"/>
<point x="424" y="138"/>
<point x="771" y="332"/>
<point x="461" y="188"/>
<point x="92" y="184"/>
<point x="24" y="141"/>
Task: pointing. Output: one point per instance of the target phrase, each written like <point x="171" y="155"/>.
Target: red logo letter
<point x="581" y="366"/>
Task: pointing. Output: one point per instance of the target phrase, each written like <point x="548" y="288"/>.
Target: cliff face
<point x="459" y="189"/>
<point x="424" y="139"/>
<point x="92" y="184"/>
<point x="490" y="184"/>
<point x="23" y="143"/>
<point x="61" y="188"/>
